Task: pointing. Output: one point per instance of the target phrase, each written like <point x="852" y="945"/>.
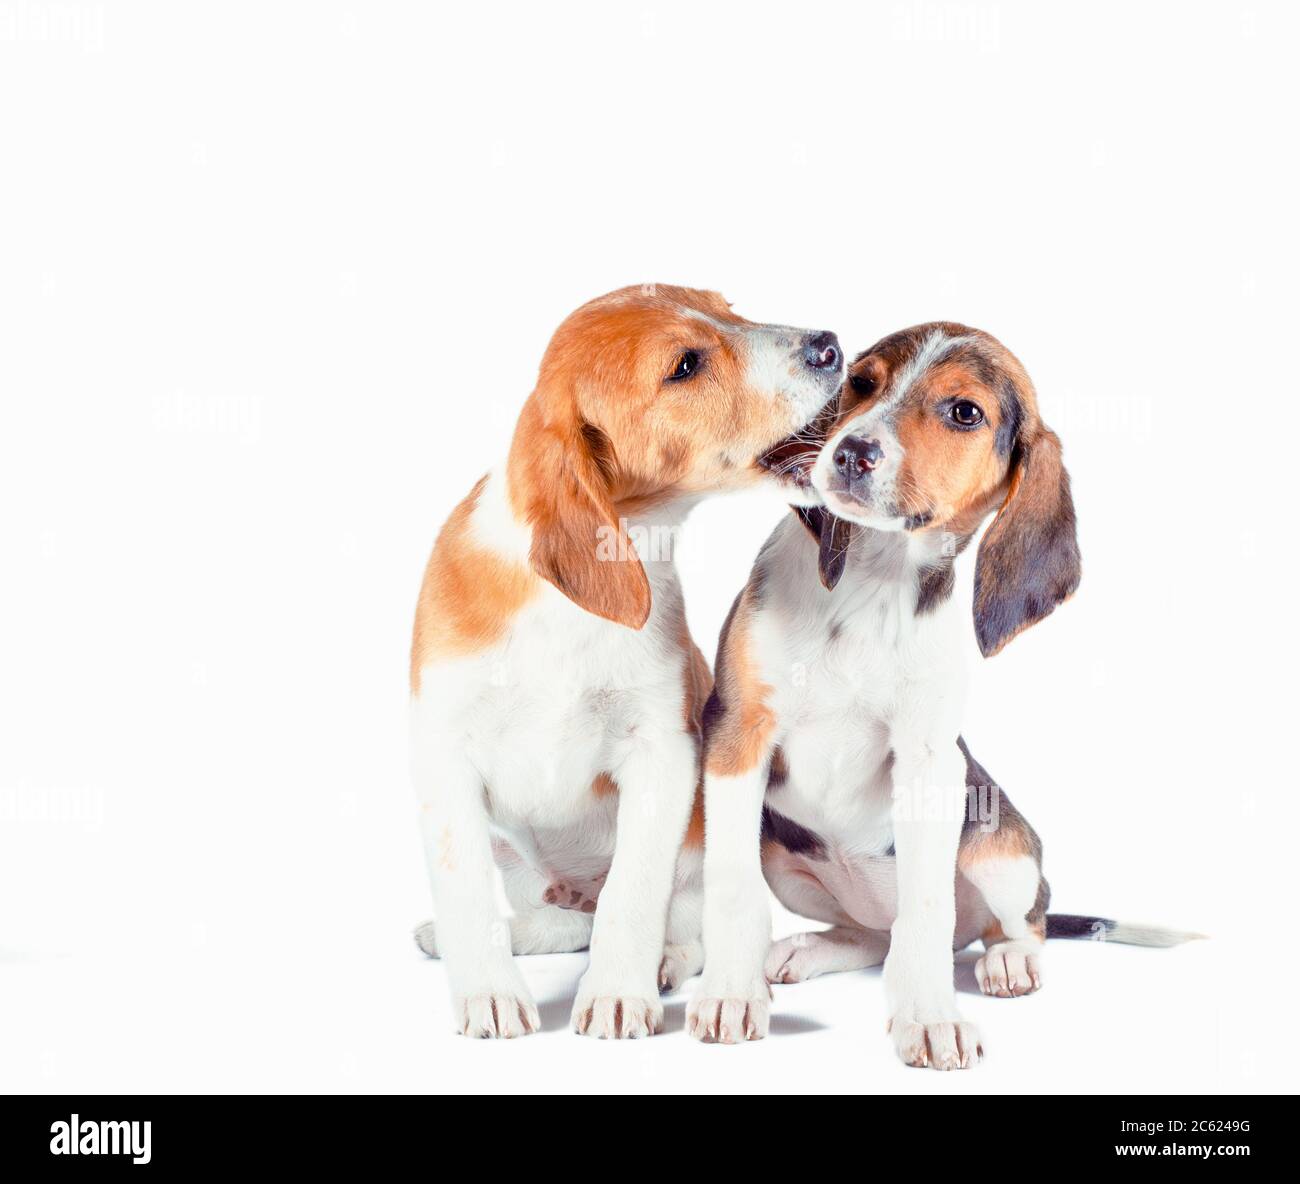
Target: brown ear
<point x="1029" y="558"/>
<point x="578" y="543"/>
<point x="833" y="536"/>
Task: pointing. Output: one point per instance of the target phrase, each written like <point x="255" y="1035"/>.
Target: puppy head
<point x="938" y="426"/>
<point x="648" y="395"/>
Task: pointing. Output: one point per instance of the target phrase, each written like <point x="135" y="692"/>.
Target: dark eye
<point x="862" y="384"/>
<point x="965" y="413"/>
<point x="686" y="365"/>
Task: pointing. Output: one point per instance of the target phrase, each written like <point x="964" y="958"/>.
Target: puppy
<point x="833" y="727"/>
<point x="556" y="692"/>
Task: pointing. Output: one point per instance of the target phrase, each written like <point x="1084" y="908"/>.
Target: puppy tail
<point x="1104" y="929"/>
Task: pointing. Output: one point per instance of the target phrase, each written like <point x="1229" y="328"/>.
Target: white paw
<point x="679" y="963"/>
<point x="798" y="958"/>
<point x="1010" y="968"/>
<point x="497" y="1015"/>
<point x="426" y="939"/>
<point x="617" y="1017"/>
<point x="729" y="1019"/>
<point x="953" y="1044"/>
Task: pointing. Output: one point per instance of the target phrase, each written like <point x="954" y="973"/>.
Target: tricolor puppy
<point x="833" y="728"/>
<point x="556" y="692"/>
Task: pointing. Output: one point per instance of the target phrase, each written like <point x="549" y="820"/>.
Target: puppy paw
<point x="1010" y="969"/>
<point x="497" y="1015"/>
<point x="800" y="957"/>
<point x="679" y="963"/>
<point x="729" y="1019"/>
<point x="579" y="895"/>
<point x="617" y="1017"/>
<point x="953" y="1044"/>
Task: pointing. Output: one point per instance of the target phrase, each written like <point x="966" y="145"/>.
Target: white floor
<point x="323" y="1015"/>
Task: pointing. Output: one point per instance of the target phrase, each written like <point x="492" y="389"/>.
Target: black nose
<point x="856" y="457"/>
<point x="822" y="351"/>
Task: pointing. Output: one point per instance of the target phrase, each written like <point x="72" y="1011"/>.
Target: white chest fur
<point x="846" y="667"/>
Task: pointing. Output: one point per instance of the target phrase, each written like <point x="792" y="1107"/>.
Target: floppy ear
<point x="578" y="543"/>
<point x="833" y="536"/>
<point x="1029" y="558"/>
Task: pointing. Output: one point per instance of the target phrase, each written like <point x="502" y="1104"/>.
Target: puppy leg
<point x="845" y="946"/>
<point x="929" y="811"/>
<point x="618" y="997"/>
<point x="683" y="947"/>
<point x="1016" y="895"/>
<point x="803" y="956"/>
<point x="733" y="1002"/>
<point x="533" y="929"/>
<point x="489" y="998"/>
<point x="799" y="891"/>
<point x="541" y="931"/>
<point x="1003" y="862"/>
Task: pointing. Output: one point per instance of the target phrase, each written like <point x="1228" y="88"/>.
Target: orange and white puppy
<point x="556" y="692"/>
<point x="833" y="727"/>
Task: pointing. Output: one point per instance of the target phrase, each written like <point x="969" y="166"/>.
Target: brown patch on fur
<point x="1011" y="840"/>
<point x="1035" y="919"/>
<point x="993" y="933"/>
<point x="604" y="785"/>
<point x="1014" y="838"/>
<point x="560" y="485"/>
<point x="694" y="839"/>
<point x="739" y="723"/>
<point x="698" y="681"/>
<point x="468" y="596"/>
<point x="956" y="476"/>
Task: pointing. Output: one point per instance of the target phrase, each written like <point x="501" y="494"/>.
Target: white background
<point x="274" y="283"/>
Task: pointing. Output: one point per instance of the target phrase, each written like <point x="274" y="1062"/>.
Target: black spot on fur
<point x="1012" y="415"/>
<point x="833" y="551"/>
<point x="1068" y="925"/>
<point x="974" y="358"/>
<point x="793" y="837"/>
<point x="936" y="586"/>
<point x="713" y="710"/>
<point x="811" y="517"/>
<point x="833" y="536"/>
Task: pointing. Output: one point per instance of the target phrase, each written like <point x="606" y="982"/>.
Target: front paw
<point x="947" y="1044"/>
<point x="729" y="1018"/>
<point x="499" y="1015"/>
<point x="617" y="1017"/>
